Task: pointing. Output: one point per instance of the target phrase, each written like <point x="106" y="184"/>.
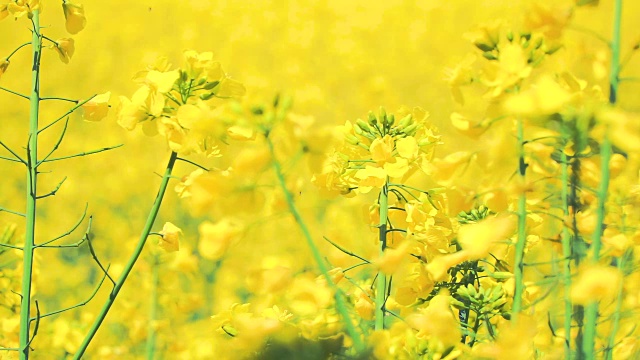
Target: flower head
<point x="97" y="108"/>
<point x="74" y="15"/>
<point x="170" y="240"/>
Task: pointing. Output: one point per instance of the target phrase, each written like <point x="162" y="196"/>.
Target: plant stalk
<point x="522" y="236"/>
<point x="32" y="175"/>
<point x="339" y="295"/>
<point x="591" y="312"/>
<point x="381" y="280"/>
<point x="132" y="260"/>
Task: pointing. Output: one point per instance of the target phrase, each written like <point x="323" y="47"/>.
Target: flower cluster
<point x="377" y="150"/>
<point x="177" y="103"/>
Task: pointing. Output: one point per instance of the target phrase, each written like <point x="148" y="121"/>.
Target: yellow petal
<point x="74" y="15"/>
<point x="478" y="239"/>
<point x="170" y="237"/>
<point x="97" y="108"/>
<point x="595" y="283"/>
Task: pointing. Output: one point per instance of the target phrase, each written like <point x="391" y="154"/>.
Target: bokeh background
<point x="337" y="59"/>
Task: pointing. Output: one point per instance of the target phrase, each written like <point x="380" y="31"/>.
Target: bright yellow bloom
<point x="370" y="177"/>
<point x="595" y="283"/>
<point x="407" y="147"/>
<point x="544" y="98"/>
<point x="478" y="239"/>
<point x="170" y="240"/>
<point x="97" y="108"/>
<point x="241" y="132"/>
<point x="382" y="149"/>
<point x="74" y="15"/>
<point x="131" y="112"/>
<point x="215" y="239"/>
<point x="199" y="63"/>
<point x="161" y="81"/>
<point x="394" y="258"/>
<point x="364" y="306"/>
<point x="20" y="8"/>
<point x="65" y="48"/>
<point x="437" y="322"/>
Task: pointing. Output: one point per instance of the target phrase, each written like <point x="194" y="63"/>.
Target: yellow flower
<point x="97" y="108"/>
<point x="20" y="8"/>
<point x="595" y="283"/>
<point x="397" y="168"/>
<point x="65" y="48"/>
<point x="407" y="147"/>
<point x="364" y="306"/>
<point x="197" y="64"/>
<point x="242" y="132"/>
<point x="436" y="322"/>
<point x="131" y="112"/>
<point x="382" y="149"/>
<point x="478" y="239"/>
<point x="370" y="177"/>
<point x="4" y="64"/>
<point x="215" y="239"/>
<point x="170" y="237"/>
<point x="74" y="16"/>
<point x="161" y="81"/>
<point x="544" y="98"/>
<point x="230" y="88"/>
<point x="393" y="259"/>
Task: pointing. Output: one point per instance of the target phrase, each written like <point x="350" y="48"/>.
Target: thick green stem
<point x="381" y="281"/>
<point x="566" y="255"/>
<point x="132" y="260"/>
<point x="341" y="306"/>
<point x="591" y="312"/>
<point x="32" y="174"/>
<point x="153" y="310"/>
<point x="518" y="271"/>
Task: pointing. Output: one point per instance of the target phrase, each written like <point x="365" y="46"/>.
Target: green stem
<point x="381" y="281"/>
<point x="591" y="312"/>
<point x="153" y="311"/>
<point x="522" y="236"/>
<point x="566" y="254"/>
<point x="622" y="263"/>
<point x="132" y="260"/>
<point x="32" y="174"/>
<point x="339" y="295"/>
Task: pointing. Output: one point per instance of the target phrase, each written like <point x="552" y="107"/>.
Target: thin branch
<point x="9" y="159"/>
<point x="11" y="212"/>
<point x="35" y="329"/>
<point x="95" y="257"/>
<point x="16" y="50"/>
<point x="193" y="163"/>
<point x="84" y="214"/>
<point x="55" y="147"/>
<point x="346" y="251"/>
<point x="13" y="153"/>
<point x="82" y="303"/>
<point x="67" y="113"/>
<point x="83" y="153"/>
<point x="15" y="93"/>
<point x="59" y="98"/>
<point x="54" y="191"/>
<point x="11" y="246"/>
